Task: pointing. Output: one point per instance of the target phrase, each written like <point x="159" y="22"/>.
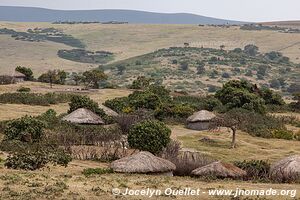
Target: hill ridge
<point x="36" y="14"/>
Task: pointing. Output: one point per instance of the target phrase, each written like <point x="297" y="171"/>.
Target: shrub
<point x="256" y="169"/>
<point x="260" y="125"/>
<point x="146" y="100"/>
<point x="117" y="104"/>
<point x="24" y="89"/>
<point x="150" y="136"/>
<point x="32" y="159"/>
<point x="174" y="111"/>
<point x="35" y="99"/>
<point x="225" y="75"/>
<point x="141" y="83"/>
<point x="198" y="102"/>
<point x="25" y="129"/>
<point x="283" y="134"/>
<point x="126" y="121"/>
<point x="90" y="171"/>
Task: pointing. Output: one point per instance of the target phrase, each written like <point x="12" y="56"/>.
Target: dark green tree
<point x="152" y="136"/>
<point x="93" y="77"/>
<point x="26" y="71"/>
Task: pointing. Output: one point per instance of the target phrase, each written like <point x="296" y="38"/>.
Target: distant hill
<point x="29" y="14"/>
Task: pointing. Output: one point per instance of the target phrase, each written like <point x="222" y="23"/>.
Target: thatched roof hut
<point x="108" y="111"/>
<point x="83" y="116"/>
<point x="220" y="170"/>
<point x="287" y="169"/>
<point x="200" y="120"/>
<point x="143" y="162"/>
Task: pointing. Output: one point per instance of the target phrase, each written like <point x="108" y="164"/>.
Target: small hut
<point x="108" y="111"/>
<point x="219" y="170"/>
<point x="12" y="77"/>
<point x="200" y="120"/>
<point x="145" y="163"/>
<point x="83" y="116"/>
<point x="287" y="169"/>
<point x="18" y="77"/>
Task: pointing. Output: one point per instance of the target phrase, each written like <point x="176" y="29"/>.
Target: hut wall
<point x="198" y="125"/>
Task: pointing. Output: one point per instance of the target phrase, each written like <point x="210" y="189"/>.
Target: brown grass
<point x="248" y="147"/>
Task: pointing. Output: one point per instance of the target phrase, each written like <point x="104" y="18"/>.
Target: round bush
<point x="26" y="129"/>
<point x="150" y="136"/>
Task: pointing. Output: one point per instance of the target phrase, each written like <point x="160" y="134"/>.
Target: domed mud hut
<point x="219" y="170"/>
<point x="200" y="120"/>
<point x="144" y="163"/>
<point x="83" y="116"/>
<point x="286" y="170"/>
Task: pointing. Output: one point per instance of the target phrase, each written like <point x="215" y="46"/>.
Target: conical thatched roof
<point x="201" y="116"/>
<point x="287" y="169"/>
<point x="220" y="170"/>
<point x="142" y="162"/>
<point x="108" y="111"/>
<point x="83" y="116"/>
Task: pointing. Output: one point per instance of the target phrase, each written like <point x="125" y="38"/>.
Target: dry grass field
<point x="69" y="183"/>
<point x="129" y="40"/>
<point x="13" y="111"/>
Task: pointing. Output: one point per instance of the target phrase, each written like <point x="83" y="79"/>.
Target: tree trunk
<point x="233" y="137"/>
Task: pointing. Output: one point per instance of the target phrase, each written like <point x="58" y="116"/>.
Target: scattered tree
<point x="27" y="72"/>
<point x="93" y="77"/>
<point x="232" y="120"/>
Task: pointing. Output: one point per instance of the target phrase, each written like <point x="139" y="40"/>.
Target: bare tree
<point x="232" y="120"/>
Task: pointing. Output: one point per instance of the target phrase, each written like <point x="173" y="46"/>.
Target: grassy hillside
<point x="129" y="40"/>
<point x="177" y="67"/>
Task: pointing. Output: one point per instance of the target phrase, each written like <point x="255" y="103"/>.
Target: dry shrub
<point x="185" y="161"/>
<point x="126" y="121"/>
<point x="104" y="154"/>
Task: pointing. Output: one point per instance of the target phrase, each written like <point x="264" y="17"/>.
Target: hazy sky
<point x="246" y="10"/>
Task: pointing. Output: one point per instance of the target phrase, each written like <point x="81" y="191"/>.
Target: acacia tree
<point x="234" y="119"/>
<point x="92" y="78"/>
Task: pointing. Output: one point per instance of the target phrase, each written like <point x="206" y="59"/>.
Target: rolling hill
<point x="30" y="14"/>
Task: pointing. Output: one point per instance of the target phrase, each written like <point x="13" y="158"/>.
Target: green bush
<point x="146" y="100"/>
<point x="175" y="111"/>
<point x="198" y="102"/>
<point x="32" y="159"/>
<point x="34" y="98"/>
<point x="256" y="169"/>
<point x="24" y="89"/>
<point x="25" y="129"/>
<point x="118" y="104"/>
<point x="283" y="134"/>
<point x="241" y="94"/>
<point x="150" y="136"/>
<point x="141" y="83"/>
<point x="99" y="171"/>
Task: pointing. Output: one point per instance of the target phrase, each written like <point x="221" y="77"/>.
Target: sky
<point x="243" y="10"/>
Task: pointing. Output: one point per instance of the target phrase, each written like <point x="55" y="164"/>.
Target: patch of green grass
<point x="91" y="171"/>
